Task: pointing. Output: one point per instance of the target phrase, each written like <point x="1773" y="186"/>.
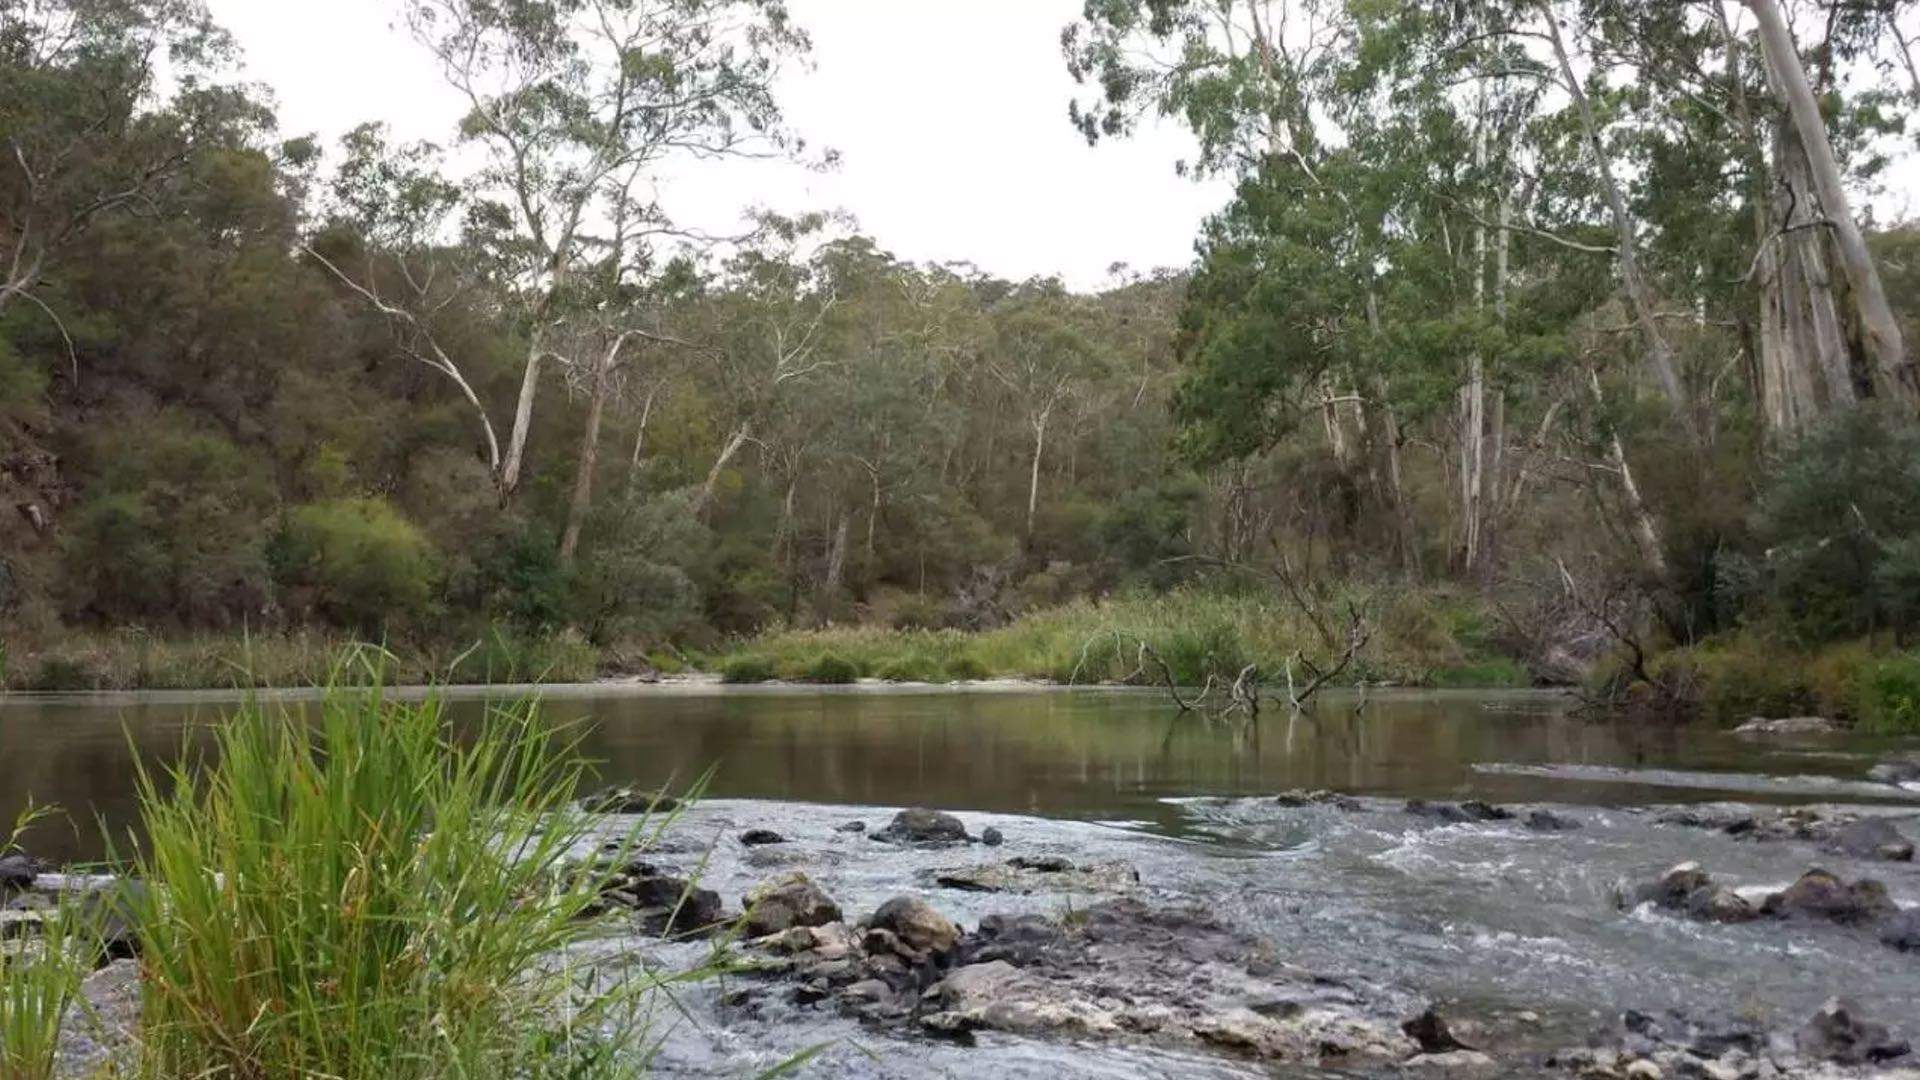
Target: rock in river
<point x="1787" y="725"/>
<point x="1872" y="838"/>
<point x="761" y="838"/>
<point x="17" y="871"/>
<point x="789" y="902"/>
<point x="625" y="800"/>
<point x="916" y="924"/>
<point x="921" y="827"/>
<point x="1899" y="769"/>
<point x="664" y="904"/>
<point x="1837" y="1033"/>
<point x="1820" y="895"/>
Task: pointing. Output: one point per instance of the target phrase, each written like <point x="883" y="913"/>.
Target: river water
<point x="1490" y="919"/>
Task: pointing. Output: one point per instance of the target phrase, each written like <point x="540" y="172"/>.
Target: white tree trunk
<point x="711" y="486"/>
<point x="1879" y="331"/>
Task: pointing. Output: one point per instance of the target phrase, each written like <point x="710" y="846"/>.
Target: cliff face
<point x="33" y="492"/>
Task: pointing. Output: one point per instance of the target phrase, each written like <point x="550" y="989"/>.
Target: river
<point x="1492" y="920"/>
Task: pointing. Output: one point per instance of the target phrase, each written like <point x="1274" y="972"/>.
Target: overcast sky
<point x="950" y="116"/>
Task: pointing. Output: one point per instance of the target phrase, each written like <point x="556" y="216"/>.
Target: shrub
<point x="1889" y="696"/>
<point x="966" y="669"/>
<point x="362" y="893"/>
<point x="914" y="667"/>
<point x="833" y="670"/>
<point x="744" y="670"/>
<point x="363" y="559"/>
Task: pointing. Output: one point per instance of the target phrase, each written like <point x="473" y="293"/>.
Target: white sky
<point x="950" y="115"/>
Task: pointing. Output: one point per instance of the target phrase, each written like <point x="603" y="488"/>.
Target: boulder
<point x="924" y="827"/>
<point x="761" y="838"/>
<point x="1466" y="812"/>
<point x="1787" y="725"/>
<point x="1719" y="904"/>
<point x="851" y="827"/>
<point x="112" y="913"/>
<point x="1838" y="1033"/>
<point x="1672" y="889"/>
<point x="1872" y="838"/>
<point x="789" y="902"/>
<point x="992" y="837"/>
<point x="916" y="924"/>
<point x="663" y="903"/>
<point x="17" y="871"/>
<point x="1820" y="895"/>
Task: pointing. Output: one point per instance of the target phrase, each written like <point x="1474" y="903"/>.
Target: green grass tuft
<point x="832" y="670"/>
<point x="367" y="894"/>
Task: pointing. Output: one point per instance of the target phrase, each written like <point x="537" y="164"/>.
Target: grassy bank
<point x="1421" y="638"/>
<point x="132" y="660"/>
<point x="1872" y="685"/>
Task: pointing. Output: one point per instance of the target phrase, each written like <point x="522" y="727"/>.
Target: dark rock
<point x="1020" y="940"/>
<point x="1837" y="1033"/>
<point x="1470" y="811"/>
<point x="111" y="915"/>
<point x="1902" y="930"/>
<point x="992" y="837"/>
<point x="851" y="827"/>
<point x="1334" y="799"/>
<point x="1872" y="838"/>
<point x="18" y="870"/>
<point x="924" y="827"/>
<point x="1430" y="1030"/>
<point x="624" y="800"/>
<point x="761" y="837"/>
<point x="1548" y="821"/>
<point x="916" y="924"/>
<point x="781" y="905"/>
<point x="665" y="904"/>
<point x="1045" y="864"/>
<point x="1820" y="895"/>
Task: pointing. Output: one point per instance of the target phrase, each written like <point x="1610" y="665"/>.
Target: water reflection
<point x="1093" y="754"/>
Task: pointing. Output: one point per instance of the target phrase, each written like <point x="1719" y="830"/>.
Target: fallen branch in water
<point x="1358" y="634"/>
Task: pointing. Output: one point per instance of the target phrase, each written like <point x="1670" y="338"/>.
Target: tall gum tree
<point x="574" y="106"/>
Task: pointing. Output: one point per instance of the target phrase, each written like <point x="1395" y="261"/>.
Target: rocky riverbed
<point x="1302" y="934"/>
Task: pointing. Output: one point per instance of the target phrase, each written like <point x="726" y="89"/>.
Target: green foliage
<point x="1837" y="525"/>
<point x="41" y="978"/>
<point x="746" y="670"/>
<point x="914" y="668"/>
<point x="832" y="670"/>
<point x="363" y="560"/>
<point x="966" y="669"/>
<point x="1889" y="696"/>
<point x="323" y="893"/>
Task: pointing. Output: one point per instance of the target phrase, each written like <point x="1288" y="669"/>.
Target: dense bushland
<point x="1522" y="310"/>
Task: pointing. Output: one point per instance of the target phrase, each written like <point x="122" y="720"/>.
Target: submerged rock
<point x="626" y="800"/>
<point x="792" y="901"/>
<point x="1837" y="1033"/>
<point x="1548" y="821"/>
<point x="923" y="827"/>
<point x="1031" y="874"/>
<point x="1334" y="799"/>
<point x="761" y="838"/>
<point x="1899" y="769"/>
<point x="1788" y="725"/>
<point x="1466" y="812"/>
<point x="851" y="827"/>
<point x="1872" y="838"/>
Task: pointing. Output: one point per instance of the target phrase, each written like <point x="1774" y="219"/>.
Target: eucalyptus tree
<point x="103" y="106"/>
<point x="1042" y="356"/>
<point x="573" y="107"/>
